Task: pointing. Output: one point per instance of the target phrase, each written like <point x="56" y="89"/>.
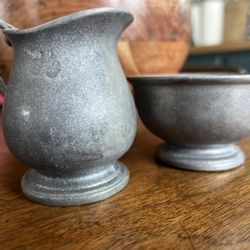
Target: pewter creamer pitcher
<point x="68" y="111"/>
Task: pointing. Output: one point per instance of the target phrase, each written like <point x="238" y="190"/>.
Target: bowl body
<point x="195" y="111"/>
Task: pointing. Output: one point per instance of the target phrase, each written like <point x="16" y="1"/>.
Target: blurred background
<point x="167" y="36"/>
<point x="220" y="33"/>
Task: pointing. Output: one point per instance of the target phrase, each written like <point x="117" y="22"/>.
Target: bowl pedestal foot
<point x="204" y="158"/>
<point x="92" y="186"/>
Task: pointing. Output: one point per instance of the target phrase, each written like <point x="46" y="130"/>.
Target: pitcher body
<point x="68" y="111"/>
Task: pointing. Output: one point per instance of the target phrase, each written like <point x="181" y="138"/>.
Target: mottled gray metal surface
<point x="68" y="111"/>
<point x="199" y="116"/>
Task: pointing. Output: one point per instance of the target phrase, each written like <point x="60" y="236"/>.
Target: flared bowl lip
<point x="73" y="16"/>
<point x="190" y="78"/>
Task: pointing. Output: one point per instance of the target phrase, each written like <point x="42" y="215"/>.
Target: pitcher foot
<point x="69" y="191"/>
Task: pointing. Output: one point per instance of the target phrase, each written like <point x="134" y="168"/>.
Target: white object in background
<point x="196" y="23"/>
<point x="212" y="21"/>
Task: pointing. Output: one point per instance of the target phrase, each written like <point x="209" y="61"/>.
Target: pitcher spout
<point x="119" y="20"/>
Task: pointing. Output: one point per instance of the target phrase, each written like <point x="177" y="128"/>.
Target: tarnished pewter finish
<point x="200" y="116"/>
<point x="68" y="111"/>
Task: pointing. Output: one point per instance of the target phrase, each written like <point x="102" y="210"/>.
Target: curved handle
<point x="6" y="26"/>
<point x="2" y="86"/>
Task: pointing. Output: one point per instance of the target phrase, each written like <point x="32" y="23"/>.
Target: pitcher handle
<point x="6" y="26"/>
<point x="2" y="86"/>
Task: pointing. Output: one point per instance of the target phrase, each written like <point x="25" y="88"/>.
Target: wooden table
<point x="161" y="208"/>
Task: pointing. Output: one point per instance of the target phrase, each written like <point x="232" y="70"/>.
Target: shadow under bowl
<point x="200" y="116"/>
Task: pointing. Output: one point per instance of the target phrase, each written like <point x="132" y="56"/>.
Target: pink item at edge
<point x="1" y="100"/>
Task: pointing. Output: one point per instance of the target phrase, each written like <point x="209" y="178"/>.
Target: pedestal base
<point x="69" y="191"/>
<point x="208" y="158"/>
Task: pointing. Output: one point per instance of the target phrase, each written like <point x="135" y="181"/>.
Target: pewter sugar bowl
<point x="199" y="116"/>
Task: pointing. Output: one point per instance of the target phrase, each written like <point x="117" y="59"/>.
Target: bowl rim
<point x="190" y="78"/>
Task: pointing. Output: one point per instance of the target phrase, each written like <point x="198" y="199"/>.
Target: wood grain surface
<point x="161" y="208"/>
<point x="156" y="42"/>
